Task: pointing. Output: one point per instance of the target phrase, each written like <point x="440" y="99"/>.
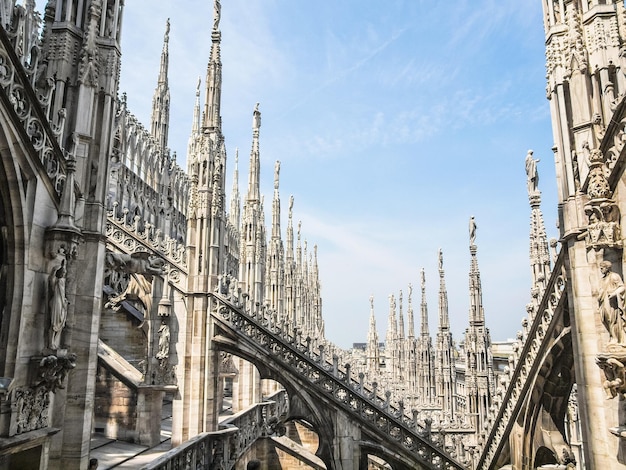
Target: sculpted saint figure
<point x="256" y="117"/>
<point x="472" y="230"/>
<point x="611" y="304"/>
<point x="164" y="341"/>
<point x="217" y="14"/>
<point x="532" y="177"/>
<point x="276" y="173"/>
<point x="58" y="305"/>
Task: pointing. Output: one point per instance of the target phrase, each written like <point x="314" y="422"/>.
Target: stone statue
<point x="139" y="262"/>
<point x="611" y="304"/>
<point x="53" y="370"/>
<point x="256" y="118"/>
<point x="139" y="288"/>
<point x="276" y="173"/>
<point x="217" y="8"/>
<point x="532" y="177"/>
<point x="58" y="304"/>
<point x="441" y="252"/>
<point x="164" y="341"/>
<point x="472" y="230"/>
<point x="141" y="266"/>
<point x="615" y="376"/>
<point x="372" y="302"/>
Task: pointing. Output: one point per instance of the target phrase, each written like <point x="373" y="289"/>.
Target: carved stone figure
<point x="140" y="262"/>
<point x="276" y="173"/>
<point x="32" y="406"/>
<point x="139" y="288"/>
<point x="58" y="303"/>
<point x="615" y="375"/>
<point x="217" y="7"/>
<point x="603" y="229"/>
<point x="53" y="370"/>
<point x="164" y="341"/>
<point x="227" y="364"/>
<point x="472" y="230"/>
<point x="532" y="177"/>
<point x="256" y="118"/>
<point x="611" y="304"/>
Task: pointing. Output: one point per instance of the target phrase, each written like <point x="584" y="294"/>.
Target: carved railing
<point x="528" y="362"/>
<point x="129" y="238"/>
<point x="221" y="449"/>
<point x="29" y="96"/>
<point x="389" y="423"/>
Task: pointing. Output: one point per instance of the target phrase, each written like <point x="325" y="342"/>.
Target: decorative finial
<point x="167" y="31"/>
<point x="371" y="302"/>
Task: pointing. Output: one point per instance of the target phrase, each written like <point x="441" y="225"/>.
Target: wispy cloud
<point x="366" y="108"/>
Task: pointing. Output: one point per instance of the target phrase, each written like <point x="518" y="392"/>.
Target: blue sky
<point x="394" y="123"/>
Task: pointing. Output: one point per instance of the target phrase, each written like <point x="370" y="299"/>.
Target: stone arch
<point x="17" y="190"/>
<point x="544" y="420"/>
<point x="395" y="461"/>
<point x="302" y="405"/>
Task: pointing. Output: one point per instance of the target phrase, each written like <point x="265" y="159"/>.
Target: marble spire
<point x="160" y="122"/>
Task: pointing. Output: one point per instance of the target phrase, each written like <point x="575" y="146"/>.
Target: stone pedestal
<point x="149" y="413"/>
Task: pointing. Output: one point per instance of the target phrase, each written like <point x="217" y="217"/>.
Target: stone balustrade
<point x="227" y="445"/>
<point x="131" y="237"/>
<point x="364" y="402"/>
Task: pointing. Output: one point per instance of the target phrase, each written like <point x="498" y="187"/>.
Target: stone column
<point x="346" y="450"/>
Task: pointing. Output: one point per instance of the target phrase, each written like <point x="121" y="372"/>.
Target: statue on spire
<point x="532" y="177"/>
<point x="167" y="31"/>
<point x="472" y="230"/>
<point x="276" y="173"/>
<point x="441" y="257"/>
<point x="217" y="15"/>
<point x="256" y="118"/>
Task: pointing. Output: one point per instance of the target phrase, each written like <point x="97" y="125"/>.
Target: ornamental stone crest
<point x="30" y="404"/>
<point x="603" y="230"/>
